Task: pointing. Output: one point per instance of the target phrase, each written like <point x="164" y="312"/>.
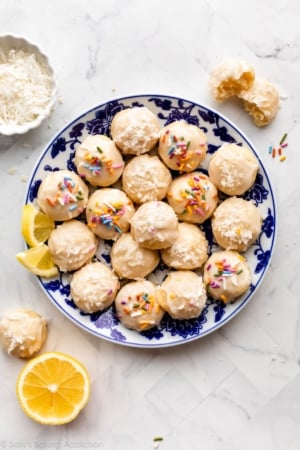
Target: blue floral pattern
<point x="60" y="154"/>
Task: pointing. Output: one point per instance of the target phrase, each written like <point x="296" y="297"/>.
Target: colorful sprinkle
<point x="179" y="149"/>
<point x="68" y="193"/>
<point x="278" y="151"/>
<point x="109" y="215"/>
<point x="283" y="139"/>
<point x="96" y="164"/>
<point x="141" y="304"/>
<point x="195" y="196"/>
<point x="224" y="270"/>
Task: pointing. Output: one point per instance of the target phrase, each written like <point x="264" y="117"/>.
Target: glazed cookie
<point x="137" y="306"/>
<point x="146" y="178"/>
<point x="182" y="294"/>
<point x="182" y="146"/>
<point x="154" y="225"/>
<point x="233" y="169"/>
<point x="193" y="197"/>
<point x="22" y="332"/>
<point x="108" y="212"/>
<point x="189" y="251"/>
<point x="99" y="161"/>
<point x="230" y="78"/>
<point x="130" y="260"/>
<point x="236" y="224"/>
<point x="72" y="245"/>
<point x="261" y="101"/>
<point x="62" y="195"/>
<point x="227" y="275"/>
<point x="135" y="130"/>
<point x="94" y="287"/>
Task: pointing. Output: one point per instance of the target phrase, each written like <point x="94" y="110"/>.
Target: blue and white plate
<point x="59" y="154"/>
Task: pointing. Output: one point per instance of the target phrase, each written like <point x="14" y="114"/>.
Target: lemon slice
<point x="36" y="227"/>
<point x="39" y="261"/>
<point x="52" y="388"/>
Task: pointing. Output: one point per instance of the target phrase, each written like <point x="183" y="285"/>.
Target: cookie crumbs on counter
<point x="23" y="179"/>
<point x="12" y="171"/>
<point x="60" y="100"/>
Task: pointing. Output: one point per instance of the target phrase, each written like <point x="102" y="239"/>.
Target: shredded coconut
<point x="25" y="87"/>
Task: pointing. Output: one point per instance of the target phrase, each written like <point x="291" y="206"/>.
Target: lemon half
<point x="52" y="388"/>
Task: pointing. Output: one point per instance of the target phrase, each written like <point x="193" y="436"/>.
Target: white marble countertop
<point x="239" y="387"/>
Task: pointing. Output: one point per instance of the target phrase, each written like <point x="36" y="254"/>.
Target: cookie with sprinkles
<point x="193" y="197"/>
<point x="62" y="195"/>
<point x="182" y="146"/>
<point x="108" y="212"/>
<point x="99" y="161"/>
<point x="137" y="306"/>
<point x="226" y="275"/>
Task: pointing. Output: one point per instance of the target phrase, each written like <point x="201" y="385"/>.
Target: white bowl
<point x="7" y="43"/>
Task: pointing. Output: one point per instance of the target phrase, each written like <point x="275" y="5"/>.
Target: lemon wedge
<point x="39" y="261"/>
<point x="36" y="226"/>
<point x="52" y="388"/>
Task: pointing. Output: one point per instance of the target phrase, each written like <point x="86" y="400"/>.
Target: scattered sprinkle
<point x="283" y="138"/>
<point x="158" y="438"/>
<point x="279" y="150"/>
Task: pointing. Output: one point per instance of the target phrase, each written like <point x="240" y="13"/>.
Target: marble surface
<point x="238" y="388"/>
